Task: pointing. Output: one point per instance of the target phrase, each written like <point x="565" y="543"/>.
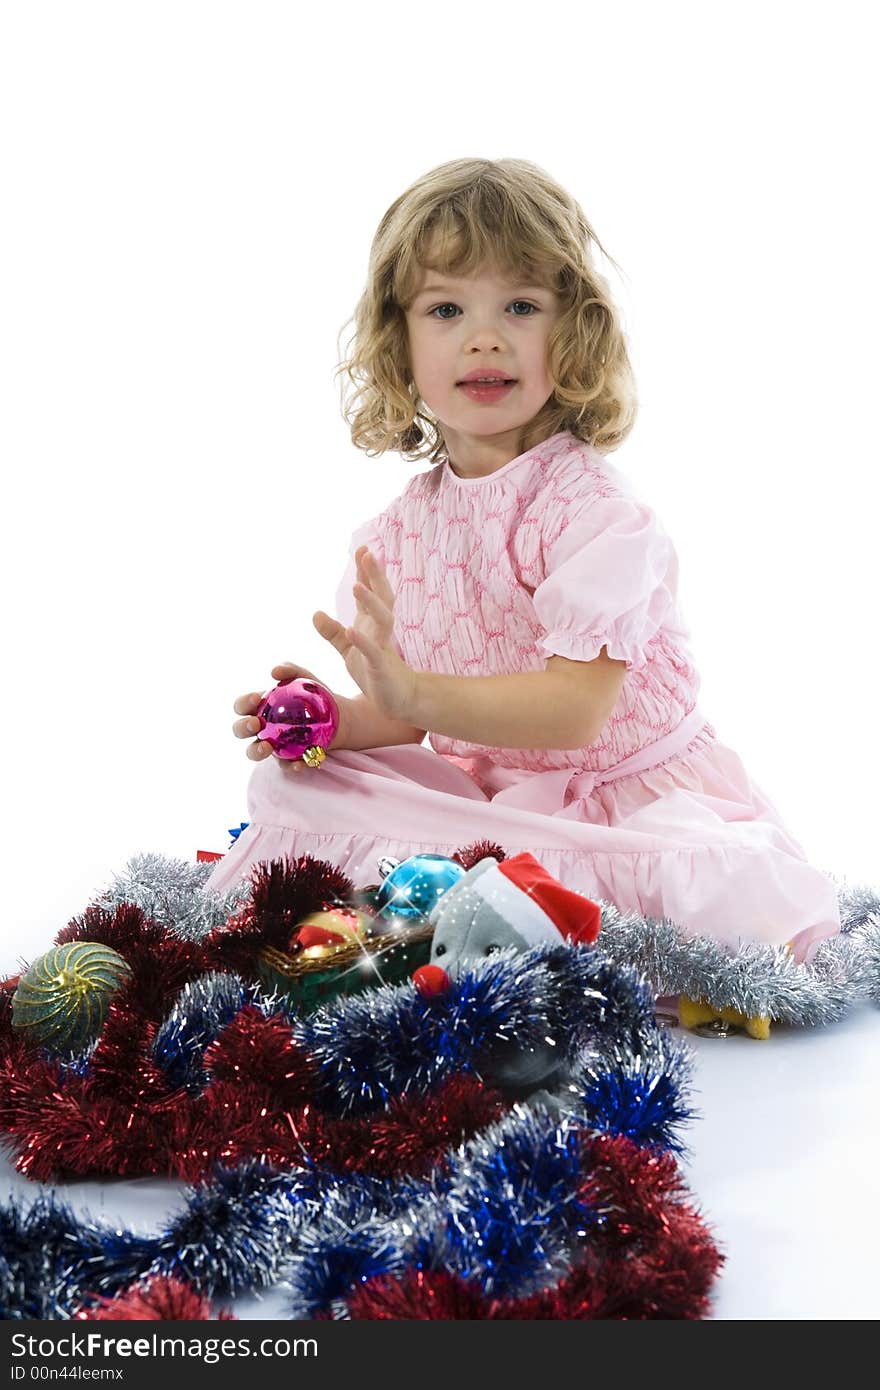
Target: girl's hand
<point x="252" y="724"/>
<point x="367" y="649"/>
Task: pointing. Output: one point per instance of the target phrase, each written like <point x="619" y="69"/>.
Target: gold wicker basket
<point x="308" y="982"/>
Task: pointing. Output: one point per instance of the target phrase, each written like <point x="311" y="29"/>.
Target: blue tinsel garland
<point x="503" y="1207"/>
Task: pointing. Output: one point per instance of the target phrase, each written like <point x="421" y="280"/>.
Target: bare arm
<point x="363" y="725"/>
<point x="564" y="706"/>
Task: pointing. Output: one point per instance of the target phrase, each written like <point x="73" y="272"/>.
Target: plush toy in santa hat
<point x="515" y="903"/>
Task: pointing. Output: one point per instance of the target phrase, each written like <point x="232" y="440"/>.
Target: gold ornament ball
<point x="348" y="926"/>
<point x="61" y="1000"/>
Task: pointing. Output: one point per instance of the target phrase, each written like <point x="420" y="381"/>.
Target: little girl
<point x="518" y="602"/>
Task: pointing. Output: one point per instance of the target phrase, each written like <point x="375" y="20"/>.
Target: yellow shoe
<point x="758" y="1026"/>
<point x="694" y="1012"/>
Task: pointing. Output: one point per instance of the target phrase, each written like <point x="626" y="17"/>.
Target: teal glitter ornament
<point x="61" y="1000"/>
<point x="412" y="887"/>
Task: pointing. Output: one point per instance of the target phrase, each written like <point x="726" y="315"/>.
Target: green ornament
<point x="61" y="1001"/>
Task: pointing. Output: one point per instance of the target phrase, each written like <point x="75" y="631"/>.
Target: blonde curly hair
<point x="456" y="219"/>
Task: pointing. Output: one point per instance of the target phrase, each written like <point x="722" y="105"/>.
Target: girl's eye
<point x="445" y="319"/>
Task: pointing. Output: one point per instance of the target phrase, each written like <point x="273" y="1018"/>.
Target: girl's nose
<point x="486" y="339"/>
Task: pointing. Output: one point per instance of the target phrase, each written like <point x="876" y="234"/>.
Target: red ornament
<point x="431" y="980"/>
<point x="315" y="936"/>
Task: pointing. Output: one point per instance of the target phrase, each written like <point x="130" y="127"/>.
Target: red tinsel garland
<point x="673" y="1280"/>
<point x="161" y="962"/>
<point x="283" y="892"/>
<point x="649" y="1257"/>
<point x="123" y="1117"/>
<point x="652" y="1257"/>
<point x="160" y="1299"/>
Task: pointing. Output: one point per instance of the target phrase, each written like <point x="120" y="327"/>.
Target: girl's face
<point x="484" y="323"/>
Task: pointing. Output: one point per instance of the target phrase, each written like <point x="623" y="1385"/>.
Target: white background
<point x="190" y="191"/>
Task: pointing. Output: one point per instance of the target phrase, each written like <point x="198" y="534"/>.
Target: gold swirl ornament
<point x="61" y="1001"/>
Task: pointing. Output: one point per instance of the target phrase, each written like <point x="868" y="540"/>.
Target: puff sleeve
<point x="611" y="579"/>
<point x="367" y="534"/>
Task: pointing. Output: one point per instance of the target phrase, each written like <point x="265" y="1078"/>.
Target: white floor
<point x="783" y="1164"/>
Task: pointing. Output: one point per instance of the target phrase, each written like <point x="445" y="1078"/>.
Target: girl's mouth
<point x="486" y="391"/>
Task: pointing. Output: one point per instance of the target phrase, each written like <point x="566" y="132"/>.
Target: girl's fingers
<point x="370" y="572"/>
<point x="286" y="670"/>
<point x="378" y="580"/>
<point x="246" y="728"/>
<point x="363" y="644"/>
<point x="371" y="603"/>
<point x="332" y="631"/>
<point x="365" y="575"/>
<point x="247" y="704"/>
<point x="258" y="750"/>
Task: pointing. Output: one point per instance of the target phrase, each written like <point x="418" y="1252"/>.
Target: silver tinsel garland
<point x="755" y="980"/>
<point x="504" y="1209"/>
<point x="172" y="893"/>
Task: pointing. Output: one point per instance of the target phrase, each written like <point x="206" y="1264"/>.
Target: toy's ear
<point x="465" y="881"/>
<point x="481" y="867"/>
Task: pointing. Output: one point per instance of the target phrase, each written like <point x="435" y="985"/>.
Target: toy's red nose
<point x="431" y="979"/>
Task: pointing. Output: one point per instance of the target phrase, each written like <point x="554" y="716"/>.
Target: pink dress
<point x="552" y="553"/>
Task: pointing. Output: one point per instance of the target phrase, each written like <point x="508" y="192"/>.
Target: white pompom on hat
<point x="536" y="904"/>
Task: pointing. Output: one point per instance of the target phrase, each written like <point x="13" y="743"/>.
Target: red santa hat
<point x="536" y="903"/>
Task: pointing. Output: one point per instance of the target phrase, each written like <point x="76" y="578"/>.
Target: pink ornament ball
<point x="300" y="719"/>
